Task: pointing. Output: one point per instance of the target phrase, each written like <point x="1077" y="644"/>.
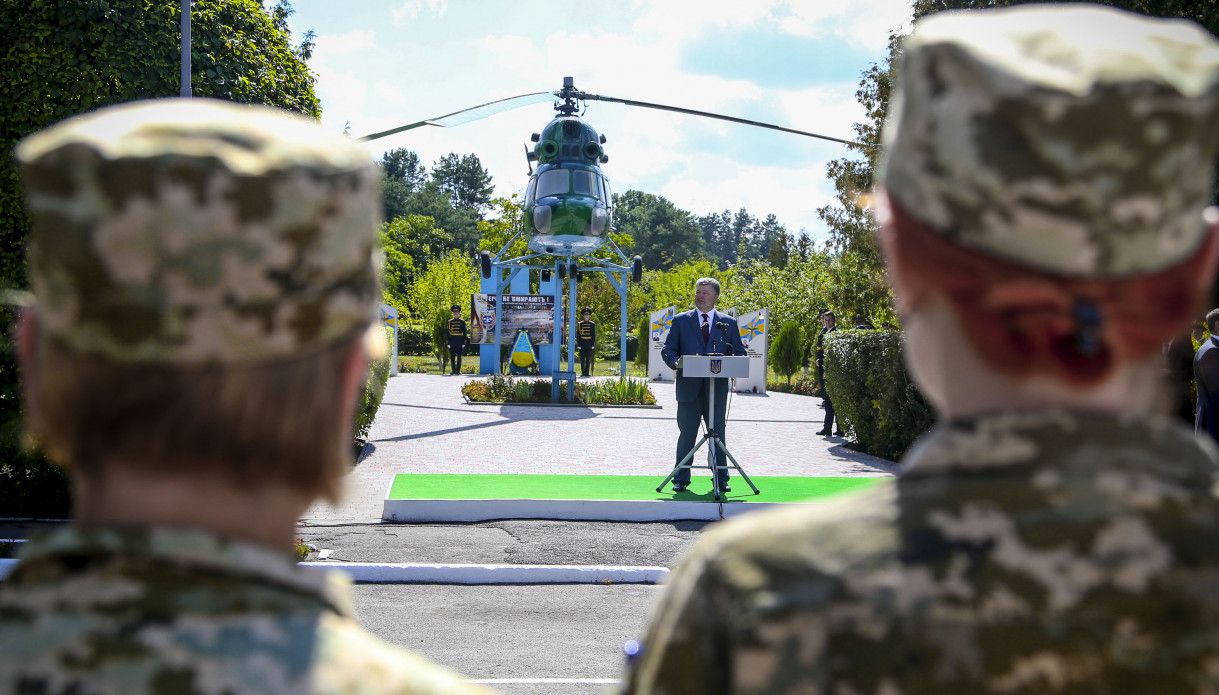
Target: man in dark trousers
<point x="586" y="341"/>
<point x="1206" y="377"/>
<point x="828" y="325"/>
<point x="702" y="331"/>
<point x="458" y="337"/>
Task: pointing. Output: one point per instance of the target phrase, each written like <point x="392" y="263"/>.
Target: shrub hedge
<point x="873" y="394"/>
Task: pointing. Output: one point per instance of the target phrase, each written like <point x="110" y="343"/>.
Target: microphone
<point x="723" y="329"/>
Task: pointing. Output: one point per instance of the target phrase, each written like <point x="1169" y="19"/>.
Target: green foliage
<point x="786" y="350"/>
<point x="59" y="59"/>
<point x="872" y="392"/>
<point x="413" y="339"/>
<point x="507" y="389"/>
<point x="804" y="385"/>
<point x="374" y="389"/>
<point x="675" y="286"/>
<point x="664" y="234"/>
<point x="464" y="180"/>
<point x="645" y="341"/>
<point x="410" y="243"/>
<point x="448" y="280"/>
<point x="440" y="336"/>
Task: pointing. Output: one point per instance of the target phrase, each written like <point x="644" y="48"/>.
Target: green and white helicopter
<point x="568" y="210"/>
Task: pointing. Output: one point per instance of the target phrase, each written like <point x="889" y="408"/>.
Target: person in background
<point x="586" y="340"/>
<point x="1043" y="216"/>
<point x="829" y="324"/>
<point x="459" y="335"/>
<point x="203" y="288"/>
<point x="1206" y="380"/>
<point x="1179" y="374"/>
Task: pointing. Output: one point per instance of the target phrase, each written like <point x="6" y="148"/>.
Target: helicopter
<point x="568" y="205"/>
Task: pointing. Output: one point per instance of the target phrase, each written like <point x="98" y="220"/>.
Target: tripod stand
<point x="712" y="368"/>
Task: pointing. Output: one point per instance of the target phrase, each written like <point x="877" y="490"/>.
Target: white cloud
<point x="411" y="9"/>
<point x="330" y="46"/>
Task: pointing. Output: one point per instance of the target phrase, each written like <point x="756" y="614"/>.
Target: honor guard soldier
<point x="586" y="341"/>
<point x="1043" y="208"/>
<point x="458" y="337"/>
<point x="204" y="282"/>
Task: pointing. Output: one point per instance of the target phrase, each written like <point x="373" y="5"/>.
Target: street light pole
<point x="185" y="91"/>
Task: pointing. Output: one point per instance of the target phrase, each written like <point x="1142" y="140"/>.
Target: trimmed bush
<point x="413" y="340"/>
<point x="374" y="390"/>
<point x="643" y="341"/>
<point x="785" y="351"/>
<point x="872" y="392"/>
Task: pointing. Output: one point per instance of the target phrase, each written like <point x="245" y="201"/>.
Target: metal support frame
<point x="615" y="273"/>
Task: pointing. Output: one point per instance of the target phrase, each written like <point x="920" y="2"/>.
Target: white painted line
<point x="415" y="573"/>
<point x="12" y="540"/>
<point x="527" y="681"/>
<point x="583" y="510"/>
<point x="420" y="573"/>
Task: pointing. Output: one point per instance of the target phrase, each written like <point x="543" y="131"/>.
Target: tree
<point x="403" y="165"/>
<point x="65" y="58"/>
<point x="410" y="244"/>
<point x="448" y="280"/>
<point x="464" y="180"/>
<point x="787" y="349"/>
<point x="664" y="234"/>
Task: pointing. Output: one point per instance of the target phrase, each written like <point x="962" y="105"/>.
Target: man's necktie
<point x="706" y="330"/>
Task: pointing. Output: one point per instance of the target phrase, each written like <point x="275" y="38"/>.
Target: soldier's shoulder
<point x="850" y="533"/>
<point x="353" y="660"/>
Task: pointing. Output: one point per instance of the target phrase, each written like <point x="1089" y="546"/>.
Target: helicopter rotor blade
<point x="719" y="116"/>
<point x="473" y="113"/>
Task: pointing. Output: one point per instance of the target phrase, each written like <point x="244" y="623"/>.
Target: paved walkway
<point x="424" y="426"/>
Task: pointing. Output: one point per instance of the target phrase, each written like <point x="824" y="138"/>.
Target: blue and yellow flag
<point x="522" y="351"/>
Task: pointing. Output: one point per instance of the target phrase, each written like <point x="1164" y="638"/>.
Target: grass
<point x="426" y="486"/>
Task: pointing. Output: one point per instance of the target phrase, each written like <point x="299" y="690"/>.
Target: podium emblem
<point x="716" y="366"/>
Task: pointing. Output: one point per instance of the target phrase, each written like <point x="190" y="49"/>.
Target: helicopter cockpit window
<point x="553" y="182"/>
<point x="583" y="181"/>
<point x="609" y="194"/>
<point x="533" y="184"/>
<point x="600" y="188"/>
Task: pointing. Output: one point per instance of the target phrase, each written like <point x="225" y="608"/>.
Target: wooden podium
<point x="712" y="367"/>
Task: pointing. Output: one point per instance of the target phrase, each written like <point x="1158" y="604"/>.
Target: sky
<point x="797" y="63"/>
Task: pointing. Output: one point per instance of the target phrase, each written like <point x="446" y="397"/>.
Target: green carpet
<point x="421" y="486"/>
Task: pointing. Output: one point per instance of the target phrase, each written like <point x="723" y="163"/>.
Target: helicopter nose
<point x="541" y="219"/>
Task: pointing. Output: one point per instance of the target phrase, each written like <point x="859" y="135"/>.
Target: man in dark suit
<point x="702" y="331"/>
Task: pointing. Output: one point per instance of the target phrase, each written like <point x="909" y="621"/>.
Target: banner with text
<point x="754" y="332"/>
<point x="659" y="324"/>
<point x="533" y="312"/>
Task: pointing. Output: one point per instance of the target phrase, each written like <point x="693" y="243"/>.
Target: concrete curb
<point x="562" y="405"/>
<point x="417" y="511"/>
<point x="418" y="573"/>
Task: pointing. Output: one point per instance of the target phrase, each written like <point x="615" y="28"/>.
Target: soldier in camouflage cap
<point x="1042" y="210"/>
<point x="204" y="281"/>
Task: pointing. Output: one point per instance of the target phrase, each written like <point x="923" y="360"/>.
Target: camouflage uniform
<point x="193" y="232"/>
<point x="1035" y="552"/>
<point x="1050" y="552"/>
<point x="178" y="611"/>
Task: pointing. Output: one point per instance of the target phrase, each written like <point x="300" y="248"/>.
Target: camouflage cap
<point x="194" y="230"/>
<point x="1076" y="140"/>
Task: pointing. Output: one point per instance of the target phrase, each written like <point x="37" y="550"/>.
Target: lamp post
<point x="185" y="91"/>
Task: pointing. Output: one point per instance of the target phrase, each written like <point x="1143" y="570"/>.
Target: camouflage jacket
<point x="1035" y="553"/>
<point x="174" y="611"/>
